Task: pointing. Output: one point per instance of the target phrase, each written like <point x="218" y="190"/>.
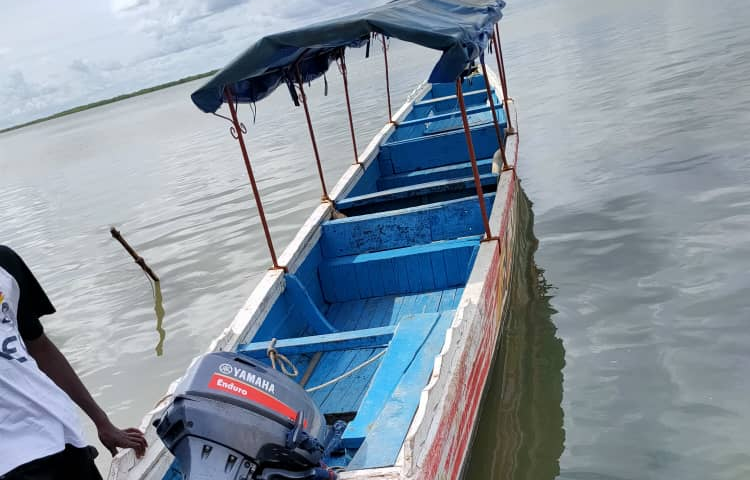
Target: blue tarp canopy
<point x="458" y="28"/>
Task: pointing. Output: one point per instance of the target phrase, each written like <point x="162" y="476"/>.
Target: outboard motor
<point x="232" y="418"/>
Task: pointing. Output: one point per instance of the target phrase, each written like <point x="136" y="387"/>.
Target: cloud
<point x="140" y="44"/>
<point x="127" y="5"/>
<point x="80" y="66"/>
<point x="22" y="96"/>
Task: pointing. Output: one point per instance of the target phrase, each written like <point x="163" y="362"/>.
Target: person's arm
<point x="53" y="363"/>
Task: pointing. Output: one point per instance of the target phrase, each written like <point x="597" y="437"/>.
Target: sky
<point x="56" y="54"/>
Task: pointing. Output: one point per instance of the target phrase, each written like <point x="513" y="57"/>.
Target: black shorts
<point x="72" y="463"/>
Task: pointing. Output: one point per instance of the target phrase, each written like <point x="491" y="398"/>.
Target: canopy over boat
<point x="460" y="29"/>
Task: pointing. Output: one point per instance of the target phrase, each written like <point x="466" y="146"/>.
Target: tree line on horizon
<point x="107" y="101"/>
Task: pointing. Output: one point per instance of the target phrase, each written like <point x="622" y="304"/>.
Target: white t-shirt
<point x="37" y="418"/>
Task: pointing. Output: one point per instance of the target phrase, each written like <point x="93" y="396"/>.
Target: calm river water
<point x="627" y="353"/>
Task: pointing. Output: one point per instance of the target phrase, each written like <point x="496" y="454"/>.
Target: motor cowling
<point x="233" y="418"/>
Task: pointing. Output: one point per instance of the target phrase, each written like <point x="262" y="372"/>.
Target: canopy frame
<point x="309" y="61"/>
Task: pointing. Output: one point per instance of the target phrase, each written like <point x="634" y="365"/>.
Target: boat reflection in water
<point x="520" y="430"/>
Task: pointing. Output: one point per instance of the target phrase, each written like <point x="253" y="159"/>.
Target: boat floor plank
<point x="384" y="432"/>
<point x="347" y="394"/>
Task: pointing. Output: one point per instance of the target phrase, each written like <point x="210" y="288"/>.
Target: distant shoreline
<point x="100" y="103"/>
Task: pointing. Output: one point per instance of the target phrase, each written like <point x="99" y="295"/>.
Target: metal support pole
<point x="500" y="141"/>
<point x="239" y="129"/>
<point x="342" y="69"/>
<point x="325" y="196"/>
<point x="473" y="159"/>
<point x="501" y="72"/>
<point x="387" y="79"/>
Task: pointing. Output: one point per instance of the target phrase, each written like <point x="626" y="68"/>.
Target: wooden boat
<point x="390" y="299"/>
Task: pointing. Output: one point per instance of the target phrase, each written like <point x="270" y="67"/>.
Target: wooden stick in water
<point x="138" y="259"/>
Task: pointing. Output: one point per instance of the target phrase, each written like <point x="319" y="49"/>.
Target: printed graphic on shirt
<point x="5" y="316"/>
<point x="9" y="345"/>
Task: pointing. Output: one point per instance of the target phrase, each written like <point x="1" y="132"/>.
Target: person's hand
<point x="112" y="438"/>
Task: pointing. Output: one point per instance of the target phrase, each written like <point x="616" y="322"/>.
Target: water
<point x="635" y="154"/>
<point x="626" y="351"/>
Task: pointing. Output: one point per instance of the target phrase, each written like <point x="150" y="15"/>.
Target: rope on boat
<point x="285" y="365"/>
<point x="346" y="374"/>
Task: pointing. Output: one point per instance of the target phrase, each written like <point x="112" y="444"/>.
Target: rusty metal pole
<point x="325" y="196"/>
<point x="387" y="79"/>
<point x="501" y="72"/>
<point x="342" y="69"/>
<point x="473" y="159"/>
<point x="500" y="141"/>
<point x="256" y="194"/>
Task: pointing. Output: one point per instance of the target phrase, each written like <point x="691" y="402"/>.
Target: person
<point x="40" y="432"/>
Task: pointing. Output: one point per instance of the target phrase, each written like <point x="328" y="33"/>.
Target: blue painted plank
<point x="387" y="274"/>
<point x="370" y="337"/>
<point x="409" y="337"/>
<point x="386" y="266"/>
<point x="442" y="116"/>
<point x="359" y="311"/>
<point x="395" y="313"/>
<point x="438" y="269"/>
<point x="401" y="270"/>
<point x="456" y="299"/>
<point x="284" y="320"/>
<point x="357" y="396"/>
<point x="307" y="273"/>
<point x="408" y="129"/>
<point x="461" y="221"/>
<point x="379" y="276"/>
<point x="437" y="150"/>
<point x="364" y="258"/>
<point x="335" y="313"/>
<point x="301" y="299"/>
<point x="447" y="300"/>
<point x="409" y="226"/>
<point x="436" y="106"/>
<point x="385" y="433"/>
<point x="449" y="96"/>
<point x="379" y="315"/>
<point x="454" y="121"/>
<point x="424" y="270"/>
<point x="363" y="286"/>
<point x="367" y="183"/>
<point x="346" y="394"/>
<point x="458" y="185"/>
<point x="446" y="172"/>
<point x="331" y="364"/>
<point x="332" y="400"/>
<point x="361" y="314"/>
<point x="452" y="267"/>
<point x="432" y="301"/>
<point x="469" y="84"/>
<point x="414" y="280"/>
<point x="372" y="307"/>
<point x="340" y="363"/>
<point x="353" y="315"/>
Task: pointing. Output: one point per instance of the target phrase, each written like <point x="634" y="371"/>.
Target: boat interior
<point x="383" y="282"/>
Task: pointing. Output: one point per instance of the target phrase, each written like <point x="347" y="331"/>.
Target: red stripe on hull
<point x="474" y="388"/>
<point x="457" y="432"/>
